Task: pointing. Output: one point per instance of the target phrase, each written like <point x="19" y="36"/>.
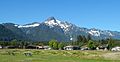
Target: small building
<point x="47" y="47"/>
<point x="40" y="47"/>
<point x="71" y="47"/>
<point x="1" y="47"/>
<point x="43" y="47"/>
<point x="117" y="48"/>
<point x="102" y="47"/>
<point x="11" y="47"/>
<point x="84" y="48"/>
<point x="31" y="47"/>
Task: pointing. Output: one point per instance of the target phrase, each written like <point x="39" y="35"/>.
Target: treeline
<point x="81" y="41"/>
<point x="92" y="44"/>
<point x="21" y="44"/>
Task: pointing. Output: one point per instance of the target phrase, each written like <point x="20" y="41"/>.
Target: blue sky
<point x="102" y="14"/>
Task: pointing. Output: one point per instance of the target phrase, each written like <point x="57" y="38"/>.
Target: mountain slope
<point x="6" y="34"/>
<point x="52" y="28"/>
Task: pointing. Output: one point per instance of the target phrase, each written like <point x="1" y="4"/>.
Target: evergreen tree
<point x="23" y="44"/>
<point x="84" y="40"/>
<point x="111" y="43"/>
<point x="55" y="45"/>
<point x="60" y="46"/>
<point x="79" y="40"/>
<point x="89" y="37"/>
<point x="14" y="43"/>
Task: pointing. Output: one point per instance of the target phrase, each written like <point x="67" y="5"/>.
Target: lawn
<point x="55" y="56"/>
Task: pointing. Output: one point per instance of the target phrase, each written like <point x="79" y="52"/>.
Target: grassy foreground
<point x="58" y="56"/>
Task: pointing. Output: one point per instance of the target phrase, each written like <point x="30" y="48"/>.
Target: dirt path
<point x="112" y="56"/>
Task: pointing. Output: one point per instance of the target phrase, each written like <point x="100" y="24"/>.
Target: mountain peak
<point x="51" y="21"/>
<point x="51" y="18"/>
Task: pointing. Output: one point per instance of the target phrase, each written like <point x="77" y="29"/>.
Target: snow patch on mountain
<point x="94" y="33"/>
<point x="27" y="26"/>
<point x="54" y="22"/>
<point x="110" y="34"/>
<point x="16" y="25"/>
<point x="71" y="39"/>
<point x="64" y="25"/>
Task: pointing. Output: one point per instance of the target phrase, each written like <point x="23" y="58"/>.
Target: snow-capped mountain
<point x="52" y="22"/>
<point x="97" y="32"/>
<point x="52" y="28"/>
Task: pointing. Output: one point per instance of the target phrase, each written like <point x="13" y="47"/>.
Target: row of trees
<point x="16" y="43"/>
<point x="82" y="40"/>
<point x="85" y="41"/>
<point x="21" y="44"/>
<point x="92" y="44"/>
<point x="56" y="45"/>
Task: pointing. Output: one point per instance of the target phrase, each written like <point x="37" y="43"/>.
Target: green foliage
<point x="111" y="43"/>
<point x="60" y="45"/>
<point x="4" y="43"/>
<point x="84" y="40"/>
<point x="91" y="44"/>
<point x="89" y="37"/>
<point x="23" y="44"/>
<point x="53" y="44"/>
<point x="14" y="42"/>
<point x="81" y="40"/>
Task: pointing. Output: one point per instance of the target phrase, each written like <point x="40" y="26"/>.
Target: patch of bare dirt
<point x="112" y="56"/>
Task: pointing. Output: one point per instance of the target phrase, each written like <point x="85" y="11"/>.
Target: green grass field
<point x="58" y="56"/>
